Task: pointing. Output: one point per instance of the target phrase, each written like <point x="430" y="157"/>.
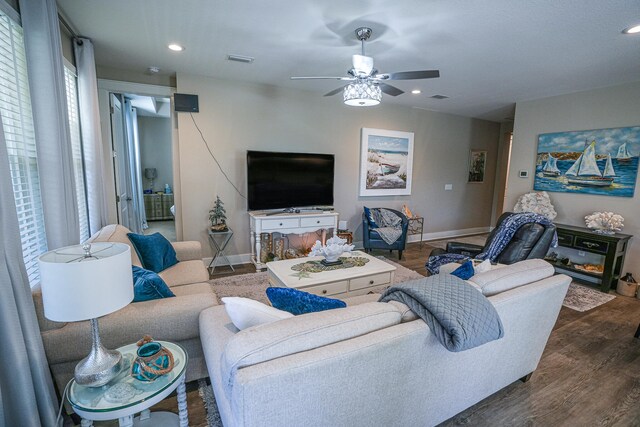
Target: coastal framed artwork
<point x="477" y="166"/>
<point x="386" y="162"/>
<point x="601" y="161"/>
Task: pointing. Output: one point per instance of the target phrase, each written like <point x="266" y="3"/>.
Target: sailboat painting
<point x="601" y="161"/>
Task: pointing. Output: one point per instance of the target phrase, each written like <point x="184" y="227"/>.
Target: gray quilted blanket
<point x="457" y="313"/>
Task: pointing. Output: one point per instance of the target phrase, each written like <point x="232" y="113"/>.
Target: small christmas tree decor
<point x="218" y="216"/>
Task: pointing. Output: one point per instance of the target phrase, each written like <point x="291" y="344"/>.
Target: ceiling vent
<point x="439" y="97"/>
<point x="240" y="58"/>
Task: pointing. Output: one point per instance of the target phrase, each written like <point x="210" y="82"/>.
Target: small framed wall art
<point x="477" y="165"/>
<point x="386" y="161"/>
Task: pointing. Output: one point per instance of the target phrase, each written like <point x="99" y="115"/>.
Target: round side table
<point x="125" y="396"/>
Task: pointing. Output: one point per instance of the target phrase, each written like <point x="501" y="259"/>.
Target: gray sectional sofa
<point x="376" y="364"/>
<point x="169" y="319"/>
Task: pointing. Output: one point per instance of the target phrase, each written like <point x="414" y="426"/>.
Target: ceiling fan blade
<point x="410" y="75"/>
<point x="334" y="92"/>
<point x="390" y="90"/>
<point x="322" y="78"/>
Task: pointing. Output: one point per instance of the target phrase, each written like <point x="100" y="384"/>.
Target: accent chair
<point x="371" y="239"/>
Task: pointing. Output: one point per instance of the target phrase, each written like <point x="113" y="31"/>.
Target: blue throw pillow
<point x="465" y="271"/>
<point x="299" y="302"/>
<point x="155" y="251"/>
<point x="147" y="285"/>
<point x="369" y="215"/>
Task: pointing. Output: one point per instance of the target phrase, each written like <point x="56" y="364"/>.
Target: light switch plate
<point x="448" y="187"/>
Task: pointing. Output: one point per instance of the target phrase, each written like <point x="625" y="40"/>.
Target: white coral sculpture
<point x="332" y="250"/>
<point x="605" y="221"/>
<point x="536" y="202"/>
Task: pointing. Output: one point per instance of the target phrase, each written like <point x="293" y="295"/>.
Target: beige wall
<point x="235" y="117"/>
<point x="154" y="134"/>
<point x="610" y="107"/>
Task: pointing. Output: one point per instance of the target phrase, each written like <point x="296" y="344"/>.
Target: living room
<point x="507" y="79"/>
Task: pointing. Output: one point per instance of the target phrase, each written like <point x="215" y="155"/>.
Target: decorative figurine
<point x="218" y="216"/>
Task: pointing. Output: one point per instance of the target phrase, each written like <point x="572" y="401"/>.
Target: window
<point x="76" y="149"/>
<point x="17" y="126"/>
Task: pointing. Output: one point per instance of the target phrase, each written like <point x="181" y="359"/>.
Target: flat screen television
<point x="289" y="180"/>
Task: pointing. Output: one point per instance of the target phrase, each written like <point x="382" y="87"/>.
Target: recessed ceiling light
<point x="632" y="30"/>
<point x="416" y="91"/>
<point x="175" y="47"/>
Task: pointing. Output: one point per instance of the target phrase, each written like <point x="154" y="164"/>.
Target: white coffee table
<point x="341" y="283"/>
<point x="99" y="404"/>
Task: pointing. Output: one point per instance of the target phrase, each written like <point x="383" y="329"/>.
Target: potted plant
<point x="217" y="216"/>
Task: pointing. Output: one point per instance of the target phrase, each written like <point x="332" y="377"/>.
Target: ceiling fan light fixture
<point x="362" y="94"/>
<point x="175" y="47"/>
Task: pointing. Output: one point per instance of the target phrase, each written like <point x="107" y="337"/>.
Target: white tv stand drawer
<point x="317" y="221"/>
<point x="276" y="224"/>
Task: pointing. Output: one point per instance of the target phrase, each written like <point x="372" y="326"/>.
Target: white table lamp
<point x="84" y="283"/>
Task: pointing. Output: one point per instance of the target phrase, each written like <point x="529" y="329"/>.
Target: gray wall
<point x="617" y="106"/>
<point x="235" y="117"/>
<point x="155" y="149"/>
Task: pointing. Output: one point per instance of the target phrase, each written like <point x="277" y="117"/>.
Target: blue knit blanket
<point x="458" y="314"/>
<point x="505" y="232"/>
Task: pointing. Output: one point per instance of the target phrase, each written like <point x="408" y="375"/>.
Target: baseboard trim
<point x="233" y="259"/>
<point x="426" y="237"/>
<point x="439" y="235"/>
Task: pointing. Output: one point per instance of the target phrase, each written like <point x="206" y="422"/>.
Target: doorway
<point x="503" y="174"/>
<point x="141" y="136"/>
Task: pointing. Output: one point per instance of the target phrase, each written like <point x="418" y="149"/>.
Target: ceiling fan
<point x="367" y="84"/>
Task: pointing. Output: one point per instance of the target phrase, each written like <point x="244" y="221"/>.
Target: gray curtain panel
<point x="91" y="136"/>
<point x="27" y="395"/>
<point x="49" y="105"/>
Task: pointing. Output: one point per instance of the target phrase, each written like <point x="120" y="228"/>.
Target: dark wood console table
<point x="612" y="247"/>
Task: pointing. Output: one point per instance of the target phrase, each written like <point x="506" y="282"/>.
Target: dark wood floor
<point x="589" y="374"/>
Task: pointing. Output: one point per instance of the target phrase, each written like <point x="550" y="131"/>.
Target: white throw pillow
<point x="482" y="267"/>
<point x="245" y="312"/>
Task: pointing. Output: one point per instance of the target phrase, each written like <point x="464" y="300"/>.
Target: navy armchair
<point x="372" y="240"/>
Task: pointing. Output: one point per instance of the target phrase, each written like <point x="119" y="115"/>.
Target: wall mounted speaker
<point x="183" y="102"/>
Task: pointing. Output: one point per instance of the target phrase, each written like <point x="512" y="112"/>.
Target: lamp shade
<point x="77" y="287"/>
<point x="150" y="173"/>
<point x="362" y="94"/>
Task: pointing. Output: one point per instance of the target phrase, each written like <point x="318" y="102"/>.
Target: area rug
<point x="254" y="285"/>
<point x="210" y="405"/>
<point x="582" y="298"/>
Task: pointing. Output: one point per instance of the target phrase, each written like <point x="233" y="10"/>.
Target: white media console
<point x="288" y="223"/>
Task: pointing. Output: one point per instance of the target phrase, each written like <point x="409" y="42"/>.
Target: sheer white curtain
<point x="49" y="104"/>
<point x="91" y="137"/>
<point x="133" y="144"/>
<point x="27" y="396"/>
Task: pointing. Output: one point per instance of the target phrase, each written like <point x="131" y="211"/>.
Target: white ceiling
<point x="490" y="53"/>
<point x="150" y="106"/>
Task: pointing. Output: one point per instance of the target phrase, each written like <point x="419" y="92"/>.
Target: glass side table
<point x="125" y="396"/>
<point x="416" y="226"/>
<point x="219" y="241"/>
